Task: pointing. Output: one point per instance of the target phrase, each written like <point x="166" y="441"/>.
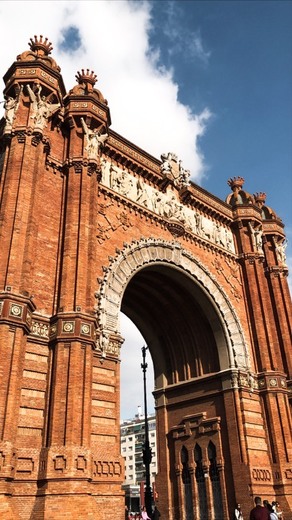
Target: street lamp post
<point x="147" y="455"/>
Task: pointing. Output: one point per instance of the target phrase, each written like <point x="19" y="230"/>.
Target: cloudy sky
<point x="208" y="80"/>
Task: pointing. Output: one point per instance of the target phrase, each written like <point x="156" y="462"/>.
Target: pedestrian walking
<point x="259" y="512"/>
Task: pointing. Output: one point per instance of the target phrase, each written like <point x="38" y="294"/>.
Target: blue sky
<point x="208" y="80"/>
<point x="235" y="57"/>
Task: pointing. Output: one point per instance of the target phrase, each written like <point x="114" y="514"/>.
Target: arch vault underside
<point x="148" y="254"/>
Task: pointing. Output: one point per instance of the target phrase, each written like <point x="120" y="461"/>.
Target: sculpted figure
<point x="104" y="343"/>
<point x="219" y="234"/>
<point x="172" y="209"/>
<point x="10" y="107"/>
<point x="41" y="108"/>
<point x="157" y="202"/>
<point x="198" y="223"/>
<point x="184" y="176"/>
<point x="228" y="240"/>
<point x="142" y="194"/>
<point x="115" y="177"/>
<point x="280" y="251"/>
<point x="257" y="238"/>
<point x="125" y="183"/>
<point x="94" y="140"/>
<point x="165" y="167"/>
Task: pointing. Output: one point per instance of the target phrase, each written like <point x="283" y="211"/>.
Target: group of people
<point x="143" y="515"/>
<point x="262" y="511"/>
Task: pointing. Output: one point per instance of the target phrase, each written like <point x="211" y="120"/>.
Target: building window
<point x="186" y="478"/>
<point x="201" y="484"/>
<point x="215" y="480"/>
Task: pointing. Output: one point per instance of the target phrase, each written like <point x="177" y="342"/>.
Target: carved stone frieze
<point x="244" y="380"/>
<point x="166" y="205"/>
<point x="272" y="381"/>
<point x="39" y="329"/>
<point x="108" y="345"/>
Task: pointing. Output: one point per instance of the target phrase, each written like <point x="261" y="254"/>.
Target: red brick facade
<point x="91" y="225"/>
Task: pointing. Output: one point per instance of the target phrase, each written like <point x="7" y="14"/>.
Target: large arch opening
<point x="197" y="346"/>
<point x="178" y="322"/>
<point x="185" y="336"/>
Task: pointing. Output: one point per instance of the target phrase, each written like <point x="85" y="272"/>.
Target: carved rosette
<point x="73" y="326"/>
<point x="16" y="310"/>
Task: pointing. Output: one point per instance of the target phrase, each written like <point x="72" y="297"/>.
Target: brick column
<point x="15" y="320"/>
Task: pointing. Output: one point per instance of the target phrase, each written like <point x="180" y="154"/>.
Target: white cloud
<point x="142" y="95"/>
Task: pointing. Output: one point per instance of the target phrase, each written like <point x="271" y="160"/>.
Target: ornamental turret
<point x="34" y="90"/>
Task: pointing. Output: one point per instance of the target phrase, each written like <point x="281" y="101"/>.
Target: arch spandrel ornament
<point x="139" y="254"/>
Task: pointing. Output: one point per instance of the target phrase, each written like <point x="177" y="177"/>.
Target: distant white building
<point x="132" y="443"/>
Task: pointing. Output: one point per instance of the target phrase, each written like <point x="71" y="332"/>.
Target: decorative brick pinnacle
<point x="40" y="46"/>
<point x="86" y="77"/>
<point x="260" y="197"/>
<point x="236" y="182"/>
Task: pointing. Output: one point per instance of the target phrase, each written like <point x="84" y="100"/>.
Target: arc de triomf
<point x="92" y="225"/>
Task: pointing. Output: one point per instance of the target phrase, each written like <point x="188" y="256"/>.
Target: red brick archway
<point x="90" y="225"/>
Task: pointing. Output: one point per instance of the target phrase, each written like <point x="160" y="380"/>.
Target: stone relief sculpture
<point x="219" y="234"/>
<point x="42" y="109"/>
<point x="184" y="176"/>
<point x="142" y="194"/>
<point x="94" y="140"/>
<point x="280" y="248"/>
<point x="171" y="209"/>
<point x="165" y="167"/>
<point x="103" y="343"/>
<point x="157" y="202"/>
<point x="173" y="169"/>
<point x="257" y="238"/>
<point x="165" y="204"/>
<point x="10" y="106"/>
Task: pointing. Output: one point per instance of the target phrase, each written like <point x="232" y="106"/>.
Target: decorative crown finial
<point x="86" y="77"/>
<point x="236" y="182"/>
<point x="40" y="46"/>
<point x="260" y="197"/>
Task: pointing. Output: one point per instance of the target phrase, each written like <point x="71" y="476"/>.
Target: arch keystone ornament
<point x="204" y="280"/>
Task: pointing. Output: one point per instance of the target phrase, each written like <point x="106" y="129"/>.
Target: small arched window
<point x="201" y="484"/>
<point x="215" y="480"/>
<point x="187" y="484"/>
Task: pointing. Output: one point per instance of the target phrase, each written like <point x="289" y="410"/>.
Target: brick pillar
<point x="268" y="303"/>
<point x="15" y="317"/>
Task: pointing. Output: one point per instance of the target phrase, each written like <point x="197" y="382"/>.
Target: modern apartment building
<point x="132" y="443"/>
